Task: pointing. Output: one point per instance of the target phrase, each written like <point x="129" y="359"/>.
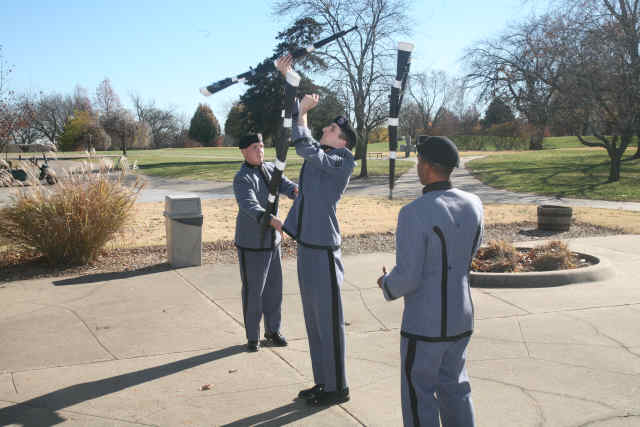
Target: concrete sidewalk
<point x="132" y="349"/>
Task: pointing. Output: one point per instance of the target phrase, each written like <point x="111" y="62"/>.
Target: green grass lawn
<point x="561" y="172"/>
<point x="221" y="163"/>
<point x="557" y="142"/>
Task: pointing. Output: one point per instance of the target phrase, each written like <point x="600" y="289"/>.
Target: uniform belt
<point x="257" y="249"/>
<point x="435" y="339"/>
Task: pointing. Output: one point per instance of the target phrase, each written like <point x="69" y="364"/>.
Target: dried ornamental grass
<point x="70" y="222"/>
<point x="502" y="257"/>
<point x="554" y="255"/>
<point x="498" y="256"/>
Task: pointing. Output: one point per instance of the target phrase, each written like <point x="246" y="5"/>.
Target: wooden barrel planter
<point x="554" y="218"/>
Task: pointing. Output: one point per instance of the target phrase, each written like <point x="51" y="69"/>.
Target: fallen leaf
<point x="206" y="387"/>
<point x="231" y="371"/>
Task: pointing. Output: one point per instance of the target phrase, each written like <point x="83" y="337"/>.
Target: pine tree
<point x="204" y="126"/>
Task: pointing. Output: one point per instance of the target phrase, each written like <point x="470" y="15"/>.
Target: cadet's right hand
<point x="308" y="102"/>
<point x="276" y="223"/>
<point x="284" y="64"/>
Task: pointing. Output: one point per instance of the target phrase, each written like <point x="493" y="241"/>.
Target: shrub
<point x="498" y="256"/>
<point x="489" y="142"/>
<point x="70" y="222"/>
<point x="502" y="257"/>
<point x="554" y="255"/>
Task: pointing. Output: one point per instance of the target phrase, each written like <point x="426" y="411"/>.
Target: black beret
<point x="438" y="149"/>
<point x="344" y="125"/>
<point x="249" y="139"/>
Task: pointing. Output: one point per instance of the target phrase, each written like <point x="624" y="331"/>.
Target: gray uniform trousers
<point x="320" y="275"/>
<point x="435" y="381"/>
<point x="261" y="273"/>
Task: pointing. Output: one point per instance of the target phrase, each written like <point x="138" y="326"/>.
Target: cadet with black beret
<point x="436" y="239"/>
<point x="258" y="248"/>
<point x="312" y="222"/>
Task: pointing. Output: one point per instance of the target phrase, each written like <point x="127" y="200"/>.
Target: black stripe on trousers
<point x="408" y="366"/>
<point x="337" y="343"/>
<point x="245" y="287"/>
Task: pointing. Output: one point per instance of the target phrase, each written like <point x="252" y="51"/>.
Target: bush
<point x="489" y="143"/>
<point x="498" y="257"/>
<point x="554" y="255"/>
<point x="70" y="222"/>
<point x="502" y="257"/>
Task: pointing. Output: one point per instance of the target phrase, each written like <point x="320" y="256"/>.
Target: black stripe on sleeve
<point x="443" y="290"/>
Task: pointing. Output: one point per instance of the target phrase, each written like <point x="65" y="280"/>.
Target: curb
<point x="601" y="270"/>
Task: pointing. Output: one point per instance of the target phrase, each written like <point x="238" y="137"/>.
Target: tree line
<point x="79" y="122"/>
<point x="573" y="70"/>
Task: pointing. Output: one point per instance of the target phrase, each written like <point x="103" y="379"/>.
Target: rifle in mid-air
<point x="397" y="93"/>
<point x="298" y="53"/>
<point x="284" y="138"/>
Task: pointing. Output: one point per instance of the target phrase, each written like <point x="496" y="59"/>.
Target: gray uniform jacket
<point x="323" y="179"/>
<point x="251" y="188"/>
<point x="437" y="237"/>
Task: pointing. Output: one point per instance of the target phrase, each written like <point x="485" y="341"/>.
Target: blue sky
<point x="166" y="50"/>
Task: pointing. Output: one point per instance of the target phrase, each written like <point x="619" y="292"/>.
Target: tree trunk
<point x="535" y="142"/>
<point x="364" y="173"/>
<point x="614" y="168"/>
<point x="363" y="167"/>
<point x="637" y="155"/>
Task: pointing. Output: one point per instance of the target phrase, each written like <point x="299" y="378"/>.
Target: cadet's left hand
<point x="381" y="278"/>
<point x="295" y="192"/>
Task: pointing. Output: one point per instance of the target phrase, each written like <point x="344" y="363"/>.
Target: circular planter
<point x="600" y="269"/>
<point x="554" y="218"/>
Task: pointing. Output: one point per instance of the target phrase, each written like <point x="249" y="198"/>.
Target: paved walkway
<point x="135" y="349"/>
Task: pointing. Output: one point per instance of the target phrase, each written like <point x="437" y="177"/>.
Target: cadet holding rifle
<point x="259" y="248"/>
<point x="312" y="222"/>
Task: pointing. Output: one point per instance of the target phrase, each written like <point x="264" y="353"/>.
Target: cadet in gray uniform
<point x="437" y="237"/>
<point x="259" y="249"/>
<point x="312" y="222"/>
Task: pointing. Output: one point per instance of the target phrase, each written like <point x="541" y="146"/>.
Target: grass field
<point x="221" y="164"/>
<point x="561" y="172"/>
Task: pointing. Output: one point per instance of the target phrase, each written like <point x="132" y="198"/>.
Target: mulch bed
<point x="127" y="262"/>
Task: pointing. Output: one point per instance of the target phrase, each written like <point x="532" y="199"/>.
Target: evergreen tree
<point x="497" y="112"/>
<point x="204" y="126"/>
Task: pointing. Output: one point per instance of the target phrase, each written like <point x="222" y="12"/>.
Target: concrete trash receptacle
<point x="183" y="220"/>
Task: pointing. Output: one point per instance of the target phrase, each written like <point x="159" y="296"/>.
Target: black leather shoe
<point x="308" y="393"/>
<point x="253" y="345"/>
<point x="275" y="339"/>
<point x="326" y="398"/>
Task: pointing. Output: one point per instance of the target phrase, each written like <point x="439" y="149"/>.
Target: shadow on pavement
<point x="35" y="412"/>
<point x="283" y="415"/>
<point x="103" y="277"/>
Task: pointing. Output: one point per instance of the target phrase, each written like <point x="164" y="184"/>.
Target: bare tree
<point x="411" y="121"/>
<point x="121" y="127"/>
<point x="359" y="64"/>
<point x="163" y="124"/>
<point x="10" y="116"/>
<point x="432" y="91"/>
<point x="603" y="73"/>
<point x="106" y="98"/>
<point x="48" y="114"/>
<point x="520" y="67"/>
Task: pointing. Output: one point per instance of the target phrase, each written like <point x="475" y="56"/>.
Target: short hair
<point x="438" y="168"/>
